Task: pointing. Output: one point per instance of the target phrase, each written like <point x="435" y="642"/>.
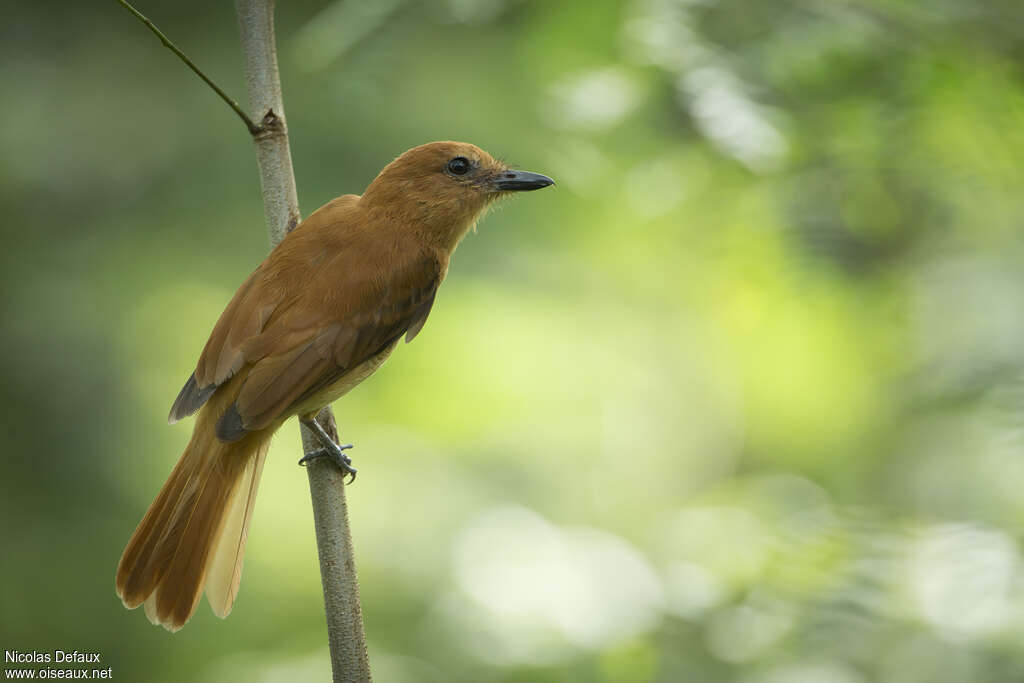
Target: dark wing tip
<point x="190" y="399"/>
<point x="229" y="426"/>
<point x="419" y="317"/>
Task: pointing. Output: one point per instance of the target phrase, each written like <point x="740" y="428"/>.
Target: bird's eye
<point x="459" y="166"/>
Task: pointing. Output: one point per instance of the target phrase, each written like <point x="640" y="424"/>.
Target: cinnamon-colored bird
<point x="316" y="318"/>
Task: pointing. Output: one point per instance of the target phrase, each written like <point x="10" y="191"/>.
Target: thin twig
<point x="253" y="128"/>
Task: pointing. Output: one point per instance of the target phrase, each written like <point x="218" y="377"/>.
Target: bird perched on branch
<point x="317" y="317"/>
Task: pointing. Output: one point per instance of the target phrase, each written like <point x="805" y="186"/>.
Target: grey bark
<point x="347" y="640"/>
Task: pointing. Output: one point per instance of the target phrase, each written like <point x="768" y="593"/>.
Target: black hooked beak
<point x="519" y="181"/>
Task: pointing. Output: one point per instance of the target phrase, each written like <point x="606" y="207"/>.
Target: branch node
<point x="270" y="125"/>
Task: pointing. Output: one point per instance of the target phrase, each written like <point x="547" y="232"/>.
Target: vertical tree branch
<point x="349" y="661"/>
<point x="277" y="179"/>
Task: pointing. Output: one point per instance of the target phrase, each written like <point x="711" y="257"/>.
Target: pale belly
<point x="346" y="383"/>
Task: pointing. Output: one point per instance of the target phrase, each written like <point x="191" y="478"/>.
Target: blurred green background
<point x="741" y="399"/>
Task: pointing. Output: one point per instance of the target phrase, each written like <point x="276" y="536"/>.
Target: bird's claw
<point x="338" y="457"/>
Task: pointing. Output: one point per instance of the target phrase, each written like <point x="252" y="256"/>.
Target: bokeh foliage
<point x="739" y="400"/>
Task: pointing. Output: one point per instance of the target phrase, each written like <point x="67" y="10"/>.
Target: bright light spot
<point x="596" y="100"/>
<point x="807" y="672"/>
<point x="730" y="119"/>
<point x="506" y="641"/>
<point x="984" y="296"/>
<point x="739" y="634"/>
<point x="655" y="188"/>
<point x="691" y="590"/>
<point x="662" y="36"/>
<point x="579" y="165"/>
<point x="962" y="577"/>
<point x="523" y="573"/>
<point x="730" y="542"/>
<point x="803" y="504"/>
<point x="337" y="28"/>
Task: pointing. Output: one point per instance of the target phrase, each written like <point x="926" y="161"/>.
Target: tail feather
<point x="225" y="569"/>
<point x="136" y="577"/>
<point x="201" y="515"/>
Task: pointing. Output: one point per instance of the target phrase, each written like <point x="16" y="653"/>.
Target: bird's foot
<point x="335" y="455"/>
<point x="330" y="450"/>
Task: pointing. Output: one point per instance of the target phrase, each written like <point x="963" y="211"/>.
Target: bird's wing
<point x="269" y="288"/>
<point x="245" y="316"/>
<point x="313" y="340"/>
<point x="291" y="364"/>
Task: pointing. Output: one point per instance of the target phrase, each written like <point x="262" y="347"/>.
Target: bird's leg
<point x="330" y="449"/>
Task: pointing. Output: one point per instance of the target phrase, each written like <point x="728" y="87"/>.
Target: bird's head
<point x="442" y="188"/>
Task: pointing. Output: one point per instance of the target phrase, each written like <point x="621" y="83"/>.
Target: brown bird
<point x="316" y="318"/>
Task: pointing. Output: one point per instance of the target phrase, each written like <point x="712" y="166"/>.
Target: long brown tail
<point x="193" y="535"/>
